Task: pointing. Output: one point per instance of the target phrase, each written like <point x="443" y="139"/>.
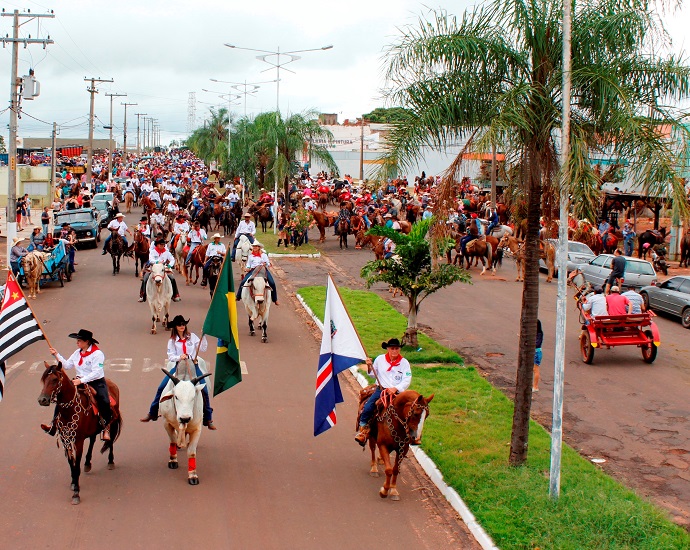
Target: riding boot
<point x="51" y="428"/>
<point x="362" y="435"/>
<point x="105" y="433"/>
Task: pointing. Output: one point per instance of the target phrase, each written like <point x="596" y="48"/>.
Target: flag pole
<point x="352" y="323"/>
<point x="10" y="275"/>
<point x="222" y="267"/>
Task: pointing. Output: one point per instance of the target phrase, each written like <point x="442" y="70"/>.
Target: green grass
<point x="270" y="242"/>
<point x="468" y="437"/>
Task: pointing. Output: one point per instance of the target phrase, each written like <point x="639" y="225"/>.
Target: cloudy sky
<point x="159" y="51"/>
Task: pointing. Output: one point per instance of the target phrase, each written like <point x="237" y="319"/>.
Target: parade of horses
<point x="458" y="320"/>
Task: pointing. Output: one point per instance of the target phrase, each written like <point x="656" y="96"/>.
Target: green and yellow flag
<point x="221" y="322"/>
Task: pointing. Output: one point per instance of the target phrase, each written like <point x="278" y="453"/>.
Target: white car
<point x="578" y="253"/>
<point x="638" y="273"/>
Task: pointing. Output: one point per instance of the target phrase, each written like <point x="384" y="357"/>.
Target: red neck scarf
<point x="257" y="254"/>
<point x="183" y="341"/>
<point x="392" y="363"/>
<point x="159" y="249"/>
<point x="83" y="354"/>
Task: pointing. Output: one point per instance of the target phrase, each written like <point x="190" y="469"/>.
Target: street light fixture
<point x="276" y="64"/>
<point x="244" y="88"/>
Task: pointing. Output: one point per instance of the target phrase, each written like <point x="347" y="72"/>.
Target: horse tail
<point x="489" y="253"/>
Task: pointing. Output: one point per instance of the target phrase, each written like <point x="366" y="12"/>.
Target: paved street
<point x="266" y="482"/>
<point x="633" y="415"/>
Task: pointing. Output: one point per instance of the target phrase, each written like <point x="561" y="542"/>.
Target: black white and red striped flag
<point x="18" y="326"/>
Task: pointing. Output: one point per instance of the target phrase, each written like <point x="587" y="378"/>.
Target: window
<point x="685" y="287"/>
<point x="673" y="284"/>
<point x="599" y="260"/>
<point x="639" y="268"/>
<point x="579" y="248"/>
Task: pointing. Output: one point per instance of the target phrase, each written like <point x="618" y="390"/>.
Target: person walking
<point x="537" y="357"/>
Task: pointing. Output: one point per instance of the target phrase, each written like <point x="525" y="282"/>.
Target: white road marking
<point x="243" y="367"/>
<point x="119" y="364"/>
<point x="10" y="369"/>
<point x="150" y="365"/>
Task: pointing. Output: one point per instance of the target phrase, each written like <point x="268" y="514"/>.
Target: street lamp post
<point x="110" y="142"/>
<point x="230" y="97"/>
<point x="268" y="57"/>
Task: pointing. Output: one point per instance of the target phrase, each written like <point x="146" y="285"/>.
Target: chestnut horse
<point x="76" y="420"/>
<point x="197" y="261"/>
<point x="324" y="220"/>
<point x="141" y="251"/>
<point x="398" y="424"/>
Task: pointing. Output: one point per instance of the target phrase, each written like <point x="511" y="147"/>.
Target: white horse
<point x="181" y="255"/>
<point x="499" y="231"/>
<point x="181" y="406"/>
<point x="256" y="297"/>
<point x="244" y="247"/>
<point x="159" y="295"/>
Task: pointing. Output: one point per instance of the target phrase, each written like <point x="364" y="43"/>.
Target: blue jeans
<point x="191" y="250"/>
<point x="271" y="283"/>
<point x="628" y="247"/>
<point x="208" y="411"/>
<point x="369" y="407"/>
<point x="464" y="241"/>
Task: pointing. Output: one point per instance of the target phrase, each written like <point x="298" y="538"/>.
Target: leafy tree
<point x="382" y="115"/>
<point x="495" y="74"/>
<point x="410" y="270"/>
<point x="3" y="148"/>
<point x="210" y="142"/>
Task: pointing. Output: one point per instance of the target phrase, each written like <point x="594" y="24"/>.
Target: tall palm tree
<point x="495" y="74"/>
<point x="210" y="142"/>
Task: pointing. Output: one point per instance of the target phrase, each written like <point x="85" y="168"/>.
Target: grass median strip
<point x="468" y="436"/>
<point x="270" y="242"/>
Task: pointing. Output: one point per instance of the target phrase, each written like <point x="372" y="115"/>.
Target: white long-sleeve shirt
<point x="214" y="249"/>
<point x="256" y="261"/>
<point x="177" y="347"/>
<point x="120" y="226"/>
<point x="91" y="367"/>
<point x="398" y="377"/>
<point x="165" y="257"/>
<point x="246" y="228"/>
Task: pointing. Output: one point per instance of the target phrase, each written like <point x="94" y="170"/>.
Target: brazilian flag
<point x="221" y="322"/>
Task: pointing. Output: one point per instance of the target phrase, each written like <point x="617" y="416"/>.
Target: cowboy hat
<point x="178" y="321"/>
<point x="256" y="243"/>
<point x="216" y="236"/>
<point x="392" y="343"/>
<point x="247" y="215"/>
<point x="16" y="240"/>
<point x="85" y="335"/>
<point x="119" y="215"/>
<point x="143" y="219"/>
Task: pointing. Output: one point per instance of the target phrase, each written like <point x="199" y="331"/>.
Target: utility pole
<point x="53" y="159"/>
<point x="361" y="153"/>
<point x="14" y="116"/>
<point x="89" y="159"/>
<point x="124" y="139"/>
<point x="138" y="134"/>
<point x="110" y="143"/>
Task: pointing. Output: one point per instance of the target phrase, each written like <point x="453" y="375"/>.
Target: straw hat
<point x="216" y="236"/>
<point x="16" y="240"/>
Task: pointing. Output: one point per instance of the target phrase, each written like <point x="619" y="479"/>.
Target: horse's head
<point x="259" y="289"/>
<point x="505" y="240"/>
<point x="52" y="383"/>
<point x="413" y="409"/>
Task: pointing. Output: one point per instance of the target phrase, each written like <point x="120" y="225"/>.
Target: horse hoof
<point x="252" y="333"/>
<point x="76" y="500"/>
<point x="111" y="466"/>
<point x="87" y="469"/>
<point x="395" y="497"/>
<point x="383" y="493"/>
<point x="374" y="474"/>
<point x="173" y="465"/>
<point x="193" y="481"/>
<point x="264" y="339"/>
<point x="153" y="331"/>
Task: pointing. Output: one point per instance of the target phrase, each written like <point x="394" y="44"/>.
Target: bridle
<point x="389" y="414"/>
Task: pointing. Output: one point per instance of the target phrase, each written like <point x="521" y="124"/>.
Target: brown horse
<point x="197" y="261"/>
<point x="547" y="252"/>
<point x="76" y="420"/>
<point x="324" y="220"/>
<point x="609" y="242"/>
<point x="33" y="269"/>
<point x="517" y="248"/>
<point x="398" y="425"/>
<point x="141" y="251"/>
<point x="261" y="213"/>
<point x="129" y="201"/>
<point x="685" y="250"/>
<point x="149" y="206"/>
<point x="481" y="249"/>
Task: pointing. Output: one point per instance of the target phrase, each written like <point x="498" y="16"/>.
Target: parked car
<point x="638" y="273"/>
<point x="578" y="253"/>
<point x="671" y="296"/>
<point x="103" y="203"/>
<point x="85" y="221"/>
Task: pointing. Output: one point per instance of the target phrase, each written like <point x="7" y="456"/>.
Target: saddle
<point x="91" y="395"/>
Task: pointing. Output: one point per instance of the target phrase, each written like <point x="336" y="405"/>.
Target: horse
<point x="77" y="420"/>
<point x="257" y="302"/>
<point x="398" y="424"/>
<point x="342" y="232"/>
<point x="129" y="200"/>
<point x="262" y="213"/>
<point x="180" y="251"/>
<point x="117" y="249"/>
<point x="322" y="201"/>
<point x="500" y="230"/>
<point x="480" y="249"/>
<point x="148" y="206"/>
<point x="214" y="272"/>
<point x="33" y="264"/>
<point x="141" y="251"/>
<point x="159" y="295"/>
<point x="652" y="237"/>
<point x="197" y="261"/>
<point x="685" y="250"/>
<point x="547" y="252"/>
<point x="323" y="220"/>
<point x="517" y="248"/>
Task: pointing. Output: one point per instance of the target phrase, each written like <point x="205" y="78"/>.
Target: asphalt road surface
<point x="265" y="481"/>
<point x="633" y="415"/>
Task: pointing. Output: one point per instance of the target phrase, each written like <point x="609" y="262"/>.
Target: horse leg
<point x="264" y="336"/>
<point x="114" y="430"/>
<point x="385" y="455"/>
<point x="75" y="468"/>
<point x="114" y="265"/>
<point x="153" y="325"/>
<point x="374" y="470"/>
<point x="394" y="479"/>
<point x="251" y="327"/>
<point x="89" y="452"/>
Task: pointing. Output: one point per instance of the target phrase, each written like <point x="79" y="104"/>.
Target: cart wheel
<point x="649" y="350"/>
<point x="586" y="347"/>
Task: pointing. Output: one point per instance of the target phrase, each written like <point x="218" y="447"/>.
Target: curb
<point x="274" y="255"/>
<point x="451" y="495"/>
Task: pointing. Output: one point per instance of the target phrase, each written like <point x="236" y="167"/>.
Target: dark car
<point x="104" y="202"/>
<point x="85" y="221"/>
<point x="671" y="296"/>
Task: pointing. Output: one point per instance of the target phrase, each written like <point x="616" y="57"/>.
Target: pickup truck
<point x="85" y="221"/>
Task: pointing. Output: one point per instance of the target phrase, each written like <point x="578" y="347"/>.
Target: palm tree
<point x="495" y="74"/>
<point x="210" y="142"/>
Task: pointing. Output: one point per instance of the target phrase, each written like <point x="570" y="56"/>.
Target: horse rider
<point x="144" y="227"/>
<point x="195" y="238"/>
<point x="493" y="220"/>
<point x="16" y="254"/>
<point x="160" y="254"/>
<point x="215" y="248"/>
<point x="157" y="218"/>
<point x="88" y="360"/>
<point x="393" y="375"/>
<point x="472" y="233"/>
<point x="256" y="260"/>
<point x="343" y="218"/>
<point x="247" y="228"/>
<point x="155" y="196"/>
<point x="183" y="345"/>
<point x="180" y="226"/>
<point x="120" y="226"/>
<point x="265" y="200"/>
